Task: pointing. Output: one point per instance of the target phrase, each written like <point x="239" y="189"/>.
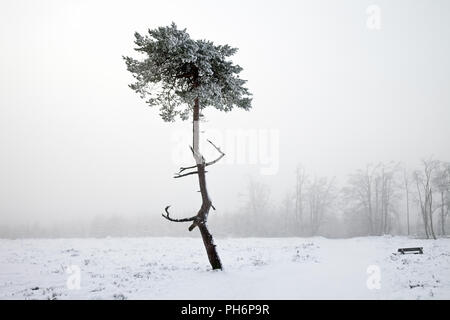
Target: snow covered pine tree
<point x="183" y="76"/>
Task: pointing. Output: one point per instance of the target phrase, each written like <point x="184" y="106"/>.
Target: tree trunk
<point x="431" y="216"/>
<point x="208" y="240"/>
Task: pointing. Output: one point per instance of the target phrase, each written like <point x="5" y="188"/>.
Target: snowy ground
<point x="255" y="268"/>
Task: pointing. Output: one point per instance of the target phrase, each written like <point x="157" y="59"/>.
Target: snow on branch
<point x="167" y="216"/>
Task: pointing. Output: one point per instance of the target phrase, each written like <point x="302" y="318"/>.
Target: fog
<point x="330" y="93"/>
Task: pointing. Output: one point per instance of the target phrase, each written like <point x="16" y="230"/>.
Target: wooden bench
<point x="418" y="250"/>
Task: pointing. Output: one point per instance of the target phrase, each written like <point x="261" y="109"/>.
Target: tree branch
<point x="206" y="164"/>
<point x="177" y="175"/>
<point x="220" y="157"/>
<point x="192" y="226"/>
<point x="186" y="168"/>
<point x="167" y="216"/>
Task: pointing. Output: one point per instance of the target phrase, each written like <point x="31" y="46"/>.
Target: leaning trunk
<point x="208" y="240"/>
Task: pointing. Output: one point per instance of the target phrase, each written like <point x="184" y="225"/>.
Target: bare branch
<point x="192" y="226"/>
<point x="186" y="168"/>
<point x="167" y="216"/>
<point x="220" y="157"/>
<point x="202" y="161"/>
<point x="177" y="175"/>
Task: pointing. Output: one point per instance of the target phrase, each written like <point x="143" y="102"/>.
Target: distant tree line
<point x="380" y="199"/>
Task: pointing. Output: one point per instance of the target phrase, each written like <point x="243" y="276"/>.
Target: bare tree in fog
<point x="320" y="195"/>
<point x="441" y="181"/>
<point x="358" y="194"/>
<point x="183" y="76"/>
<point x="301" y="180"/>
<point x="406" y="181"/>
<point x="257" y="217"/>
<point x="424" y="186"/>
<point x="287" y="209"/>
<point x="386" y="190"/>
<point x="373" y="192"/>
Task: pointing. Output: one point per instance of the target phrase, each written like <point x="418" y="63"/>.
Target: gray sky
<point x="75" y="141"/>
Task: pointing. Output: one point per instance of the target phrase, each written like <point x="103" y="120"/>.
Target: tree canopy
<point x="177" y="69"/>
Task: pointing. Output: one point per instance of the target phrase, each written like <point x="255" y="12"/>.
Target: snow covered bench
<point x="418" y="250"/>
